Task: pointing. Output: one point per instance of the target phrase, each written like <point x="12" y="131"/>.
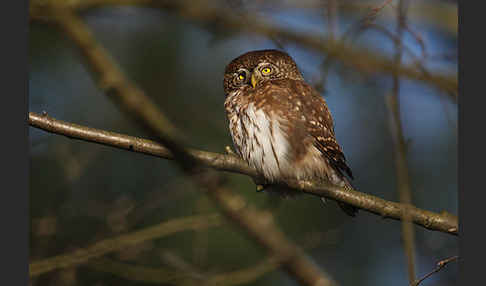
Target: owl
<point x="279" y="124"/>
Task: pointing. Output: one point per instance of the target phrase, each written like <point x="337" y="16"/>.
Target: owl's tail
<point x="347" y="208"/>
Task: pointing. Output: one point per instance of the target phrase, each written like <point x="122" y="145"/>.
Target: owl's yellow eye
<point x="240" y="77"/>
<point x="266" y="70"/>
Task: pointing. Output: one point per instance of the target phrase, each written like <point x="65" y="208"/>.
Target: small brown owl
<point x="279" y="124"/>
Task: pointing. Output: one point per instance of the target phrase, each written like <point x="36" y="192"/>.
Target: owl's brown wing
<point x="319" y="124"/>
<point x="321" y="127"/>
<point x="309" y="114"/>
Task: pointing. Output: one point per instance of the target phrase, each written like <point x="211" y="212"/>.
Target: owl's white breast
<point x="260" y="140"/>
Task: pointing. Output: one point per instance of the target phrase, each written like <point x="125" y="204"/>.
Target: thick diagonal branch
<point x="443" y="222"/>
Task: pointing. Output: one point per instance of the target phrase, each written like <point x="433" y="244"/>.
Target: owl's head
<point x="256" y="67"/>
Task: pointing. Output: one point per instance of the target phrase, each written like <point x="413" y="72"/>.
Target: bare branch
<point x="103" y="247"/>
<point x="441" y="15"/>
<point x="217" y="161"/>
<point x="332" y="13"/>
<point x="443" y="222"/>
<point x="441" y="264"/>
<point x="138" y="273"/>
<point x="362" y="60"/>
<point x="161" y="275"/>
<point x="371" y="16"/>
<point x="403" y="177"/>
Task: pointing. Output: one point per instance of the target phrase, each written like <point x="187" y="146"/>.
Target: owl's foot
<point x="261" y="184"/>
<point x="229" y="151"/>
<point x="260" y="188"/>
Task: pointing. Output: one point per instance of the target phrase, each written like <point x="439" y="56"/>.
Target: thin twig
<point x="374" y="11"/>
<point x="441" y="264"/>
<point x="363" y="25"/>
<point x="443" y="16"/>
<point x="400" y="147"/>
<point x="332" y="19"/>
<point x="103" y="247"/>
<point x="360" y="59"/>
<point x="443" y="222"/>
<point x="161" y="275"/>
<point x="331" y="7"/>
<point x="418" y="39"/>
<point x="138" y="273"/>
<point x="146" y="274"/>
<point x="397" y="41"/>
<point x="178" y="263"/>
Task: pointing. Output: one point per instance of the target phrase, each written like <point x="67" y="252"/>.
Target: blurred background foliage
<point x="81" y="193"/>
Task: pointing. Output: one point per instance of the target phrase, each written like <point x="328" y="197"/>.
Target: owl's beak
<point x="254" y="79"/>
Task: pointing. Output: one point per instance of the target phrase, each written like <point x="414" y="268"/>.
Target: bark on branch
<point x="444" y="221"/>
<point x="258" y="224"/>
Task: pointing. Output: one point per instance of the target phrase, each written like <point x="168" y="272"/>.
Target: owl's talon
<point x="260" y="188"/>
<point x="229" y="151"/>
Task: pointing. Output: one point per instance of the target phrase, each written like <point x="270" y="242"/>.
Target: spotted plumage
<point x="279" y="124"/>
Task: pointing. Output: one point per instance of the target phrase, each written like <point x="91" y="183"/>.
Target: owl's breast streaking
<point x="271" y="128"/>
